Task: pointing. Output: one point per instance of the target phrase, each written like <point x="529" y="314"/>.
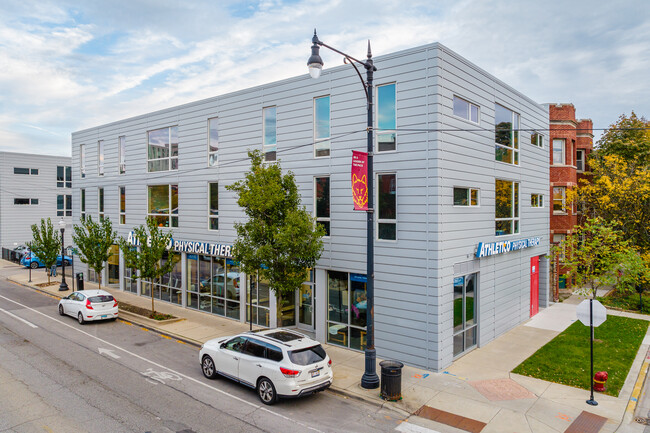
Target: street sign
<point x="599" y="312"/>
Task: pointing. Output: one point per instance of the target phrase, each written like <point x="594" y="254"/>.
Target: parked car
<point x="31" y="261"/>
<point x="89" y="305"/>
<point x="21" y="249"/>
<point x="275" y="362"/>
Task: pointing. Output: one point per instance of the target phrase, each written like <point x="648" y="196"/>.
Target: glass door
<point x="305" y="303"/>
<point x="114" y="265"/>
<point x="465" y="309"/>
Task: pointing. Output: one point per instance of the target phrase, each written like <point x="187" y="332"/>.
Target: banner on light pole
<point x="359" y="174"/>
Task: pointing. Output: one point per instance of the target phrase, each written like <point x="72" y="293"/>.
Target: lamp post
<point x="369" y="380"/>
<point x="64" y="285"/>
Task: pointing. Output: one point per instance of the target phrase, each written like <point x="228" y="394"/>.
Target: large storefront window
<point x="257" y="301"/>
<point x="213" y="285"/>
<point x="168" y="288"/>
<point x="130" y="282"/>
<point x="114" y="265"/>
<point x="346" y="294"/>
<point x="465" y="308"/>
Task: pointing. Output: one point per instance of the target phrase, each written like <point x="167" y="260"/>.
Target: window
<point x="257" y="301"/>
<point x="269" y="144"/>
<point x="465" y="196"/>
<point x="559" y="199"/>
<point x="168" y="287"/>
<point x="386" y="205"/>
<point x="322" y="126"/>
<point x="465" y="109"/>
<point x="213" y="213"/>
<point x="63" y="176"/>
<point x="506" y="124"/>
<point x="100" y="203"/>
<point x="163" y="149"/>
<point x="213" y="285"/>
<point x="25" y="201"/>
<point x="63" y="205"/>
<point x="20" y="170"/>
<point x="122" y="205"/>
<point x="537" y="139"/>
<point x="347" y="309"/>
<point x="506" y="205"/>
<point x="465" y="309"/>
<point x="83" y="204"/>
<point x="580" y="160"/>
<point x="100" y="157"/>
<point x="558" y="239"/>
<point x="82" y="160"/>
<point x="322" y="206"/>
<point x="558" y="151"/>
<point x="121" y="151"/>
<point x="213" y="141"/>
<point x="34" y="171"/>
<point x="163" y="204"/>
<point x="536" y="200"/>
<point x="386" y="118"/>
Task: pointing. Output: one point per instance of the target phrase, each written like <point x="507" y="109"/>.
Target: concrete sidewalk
<point x="477" y="393"/>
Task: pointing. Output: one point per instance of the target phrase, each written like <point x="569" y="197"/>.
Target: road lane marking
<point x="19" y="318"/>
<point x="135" y="355"/>
<point x="159" y="376"/>
<point x="407" y="427"/>
<point x="108" y="352"/>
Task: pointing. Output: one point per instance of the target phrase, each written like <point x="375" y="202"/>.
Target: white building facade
<point x="461" y="170"/>
<point x="33" y="187"/>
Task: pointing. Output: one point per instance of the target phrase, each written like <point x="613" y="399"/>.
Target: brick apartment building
<point x="571" y="141"/>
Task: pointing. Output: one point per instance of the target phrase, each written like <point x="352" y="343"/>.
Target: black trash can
<point x="391" y="380"/>
<point x="80" y="281"/>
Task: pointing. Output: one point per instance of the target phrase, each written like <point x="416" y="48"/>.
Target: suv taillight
<point x="329" y="362"/>
<point x="289" y="373"/>
<point x="88" y="306"/>
<point x="115" y="304"/>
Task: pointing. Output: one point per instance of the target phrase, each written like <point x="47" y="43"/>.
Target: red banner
<point x="360" y="180"/>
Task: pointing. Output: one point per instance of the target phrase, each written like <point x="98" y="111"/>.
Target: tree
<point x="151" y="245"/>
<point x="46" y="244"/>
<point x="628" y="138"/>
<point x="280" y="240"/>
<point x="619" y="192"/>
<point x="592" y="254"/>
<point x="633" y="273"/>
<point x="94" y="241"/>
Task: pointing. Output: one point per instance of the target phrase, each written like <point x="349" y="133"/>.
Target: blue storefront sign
<point x="494" y="248"/>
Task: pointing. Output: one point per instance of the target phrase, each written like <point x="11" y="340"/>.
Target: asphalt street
<point x="57" y="375"/>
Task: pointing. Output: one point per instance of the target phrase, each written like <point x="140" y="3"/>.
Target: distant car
<point x="89" y="305"/>
<point x="21" y="249"/>
<point x="275" y="362"/>
<point x="31" y="261"/>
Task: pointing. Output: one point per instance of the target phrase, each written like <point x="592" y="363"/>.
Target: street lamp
<point x="369" y="380"/>
<point x="64" y="285"/>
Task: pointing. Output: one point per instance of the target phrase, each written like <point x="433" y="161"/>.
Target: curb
<point x="638" y="387"/>
<point x="381" y="404"/>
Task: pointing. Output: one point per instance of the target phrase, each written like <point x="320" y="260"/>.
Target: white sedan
<point x="274" y="362"/>
<point x="89" y="305"/>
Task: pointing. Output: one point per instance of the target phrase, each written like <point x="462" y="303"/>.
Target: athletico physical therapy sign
<point x="494" y="248"/>
<point x="195" y="247"/>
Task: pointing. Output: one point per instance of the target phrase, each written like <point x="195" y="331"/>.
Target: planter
<point x="143" y="320"/>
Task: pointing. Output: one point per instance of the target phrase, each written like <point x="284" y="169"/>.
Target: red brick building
<point x="571" y="141"/>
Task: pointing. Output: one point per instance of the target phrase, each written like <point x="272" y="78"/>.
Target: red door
<point x="534" y="285"/>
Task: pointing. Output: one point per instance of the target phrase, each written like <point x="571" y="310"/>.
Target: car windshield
<point x="100" y="298"/>
<point x="310" y="355"/>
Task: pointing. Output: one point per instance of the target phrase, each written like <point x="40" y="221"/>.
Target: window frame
<point x="469" y="198"/>
<point x="66" y="210"/>
<point x="29" y="171"/>
<point x="563" y="141"/>
<point x="537" y="139"/>
<point x="515" y="121"/>
<point x="515" y="211"/>
<point x="122" y="208"/>
<point x="212" y="217"/>
<point x="537" y="204"/>
<point x="563" y="237"/>
<point x="327" y="219"/>
<point x="327" y="139"/>
<point x="213" y="153"/>
<point x="170" y="157"/>
<point x="582" y="154"/>
<point x="100" y="157"/>
<point x="563" y="211"/>
<point x="470" y="104"/>
<point x="121" y="154"/>
<point x="389" y="131"/>
<point x="379" y="220"/>
<point x="82" y="204"/>
<point x="101" y="203"/>
<point x="170" y="215"/>
<point x="274" y="145"/>
<point x="82" y="160"/>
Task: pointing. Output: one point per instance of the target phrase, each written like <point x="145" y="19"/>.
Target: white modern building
<point x="461" y="170"/>
<point x="33" y="187"/>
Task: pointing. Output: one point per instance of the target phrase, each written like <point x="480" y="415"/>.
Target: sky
<point x="71" y="65"/>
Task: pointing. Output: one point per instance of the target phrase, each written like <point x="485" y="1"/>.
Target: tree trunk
<point x="641" y="302"/>
<point x="151" y="290"/>
<point x="99" y="278"/>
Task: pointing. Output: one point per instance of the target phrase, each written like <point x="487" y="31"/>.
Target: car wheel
<point x="266" y="391"/>
<point x="80" y="318"/>
<point x="61" y="310"/>
<point x="33" y="265"/>
<point x="207" y="365"/>
<point x="67" y="263"/>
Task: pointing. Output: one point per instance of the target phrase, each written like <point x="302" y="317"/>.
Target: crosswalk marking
<point x="407" y="427"/>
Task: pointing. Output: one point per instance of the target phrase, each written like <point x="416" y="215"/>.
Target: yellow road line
<point x="638" y="386"/>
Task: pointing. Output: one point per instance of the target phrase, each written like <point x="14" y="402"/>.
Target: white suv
<point x="275" y="362"/>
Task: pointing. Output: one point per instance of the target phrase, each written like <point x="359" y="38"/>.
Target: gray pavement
<point x="479" y="386"/>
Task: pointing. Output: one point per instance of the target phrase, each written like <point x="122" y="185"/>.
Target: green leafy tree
<point x="46" y="244"/>
<point x="147" y="257"/>
<point x="628" y="138"/>
<point x="592" y="254"/>
<point x="94" y="240"/>
<point x="633" y="273"/>
<point x="280" y="240"/>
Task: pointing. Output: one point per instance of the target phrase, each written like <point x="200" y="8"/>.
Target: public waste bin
<point x="80" y="281"/>
<point x="391" y="380"/>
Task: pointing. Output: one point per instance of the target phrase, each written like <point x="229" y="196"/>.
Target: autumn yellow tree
<point x="628" y="138"/>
